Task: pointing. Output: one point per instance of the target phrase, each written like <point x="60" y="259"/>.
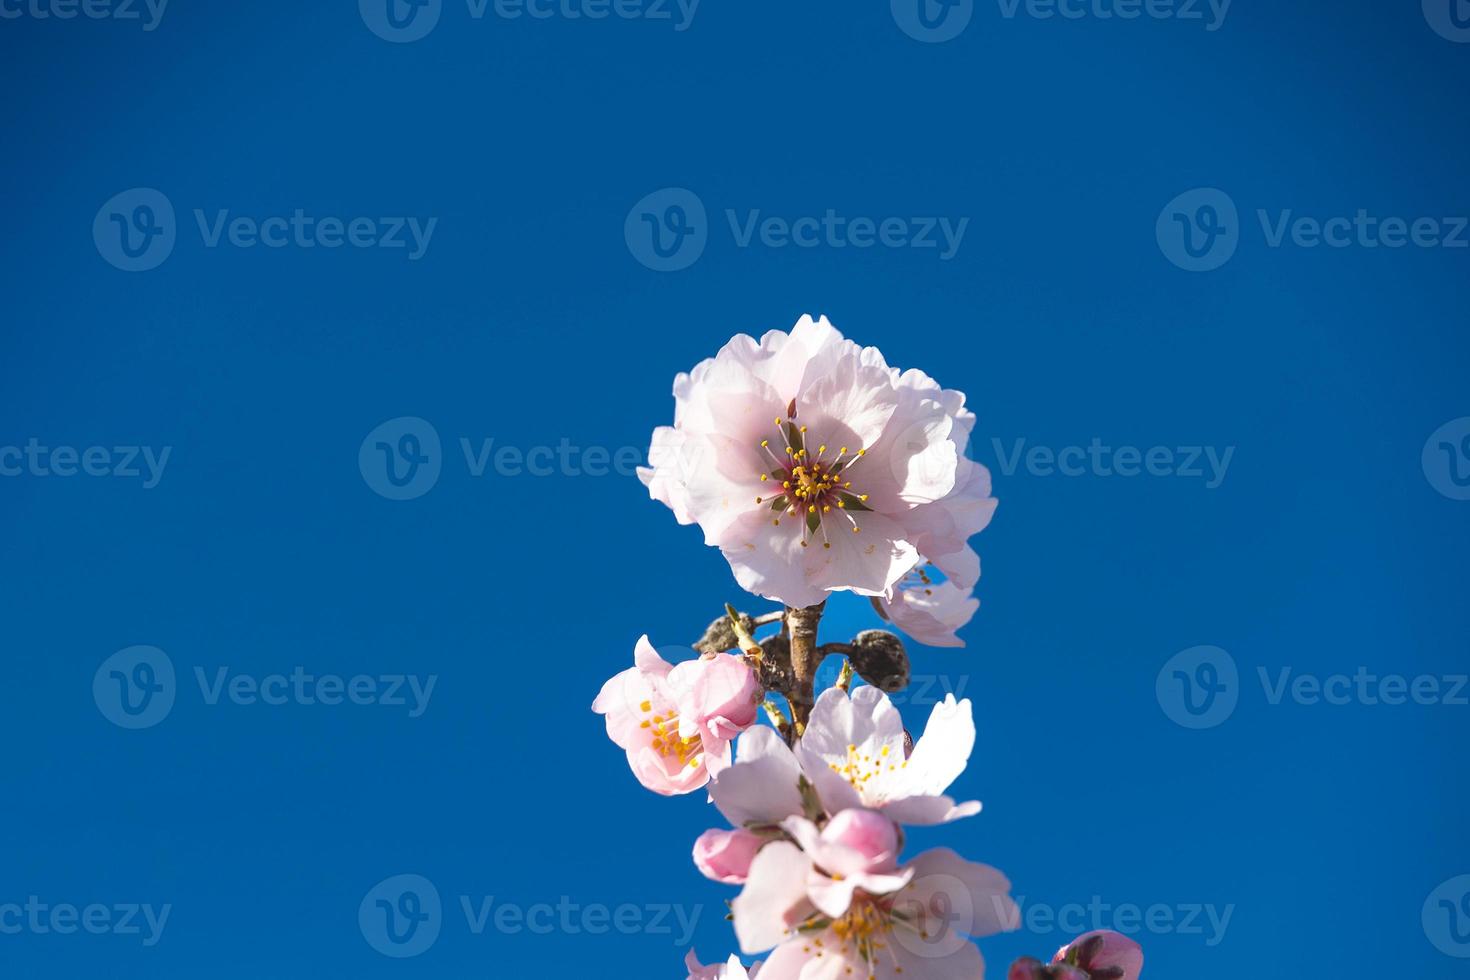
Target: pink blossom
<point x="917" y="931"/>
<point x="856" y="852"/>
<point x="1104" y="955"/>
<point x="718" y="694"/>
<point x="815" y="467"/>
<point x="725" y="855"/>
<point x="676" y="723"/>
<point x="853" y="752"/>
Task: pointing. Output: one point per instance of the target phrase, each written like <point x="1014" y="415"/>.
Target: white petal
<point x="927" y="811"/>
<point x="942" y="751"/>
<point x="762" y="786"/>
<point x="774" y="899"/>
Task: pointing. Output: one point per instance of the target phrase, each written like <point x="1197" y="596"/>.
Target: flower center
<point x="864" y="933"/>
<point x="859" y="767"/>
<point x="811" y="485"/>
<point x="666" y="738"/>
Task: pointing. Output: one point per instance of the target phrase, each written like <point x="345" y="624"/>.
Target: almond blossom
<point x="676" y="722"/>
<point x="853" y="751"/>
<point x="929" y="611"/>
<point x="916" y="931"/>
<point x="815" y="467"/>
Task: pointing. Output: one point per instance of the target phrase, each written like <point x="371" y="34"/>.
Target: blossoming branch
<point x="815" y="468"/>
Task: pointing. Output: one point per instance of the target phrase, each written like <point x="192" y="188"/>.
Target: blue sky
<point x="1201" y="271"/>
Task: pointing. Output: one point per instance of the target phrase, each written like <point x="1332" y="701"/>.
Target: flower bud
<point x="1026" y="968"/>
<point x="1104" y="955"/>
<point x="725" y="855"/>
<point x="719" y="694"/>
<point x="867" y="832"/>
<point x="880" y="659"/>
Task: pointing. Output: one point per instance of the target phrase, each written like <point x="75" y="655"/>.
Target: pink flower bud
<point x="1104" y="954"/>
<point x="719" y="694"/>
<point x="867" y="832"/>
<point x="725" y="855"/>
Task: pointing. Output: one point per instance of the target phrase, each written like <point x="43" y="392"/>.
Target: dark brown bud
<point x="880" y="659"/>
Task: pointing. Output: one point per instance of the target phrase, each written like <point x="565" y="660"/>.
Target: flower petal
<point x="774" y="899"/>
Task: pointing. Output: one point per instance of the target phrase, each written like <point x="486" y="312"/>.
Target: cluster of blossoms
<point x="817" y="468"/>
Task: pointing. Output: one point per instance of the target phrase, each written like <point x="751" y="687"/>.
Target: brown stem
<point x="805" y="658"/>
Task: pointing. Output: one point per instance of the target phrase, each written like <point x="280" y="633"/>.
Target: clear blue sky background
<point x="529" y="320"/>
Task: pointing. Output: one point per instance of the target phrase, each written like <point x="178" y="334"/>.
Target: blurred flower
<point x="1104" y="955"/>
<point x="676" y="722"/>
<point x="815" y="467"/>
<point x="853" y="751"/>
<point x="731" y="969"/>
